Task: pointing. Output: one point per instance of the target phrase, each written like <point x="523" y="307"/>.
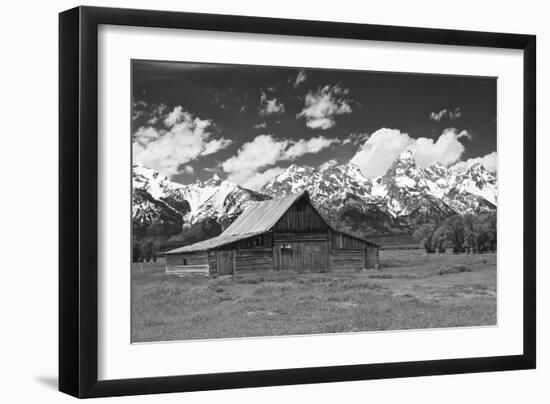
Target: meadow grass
<point x="410" y="290"/>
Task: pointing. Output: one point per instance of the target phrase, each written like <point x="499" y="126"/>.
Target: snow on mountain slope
<point x="408" y="189"/>
<point x="294" y="179"/>
<point x="405" y="190"/>
<point x="477" y="181"/>
<point x="322" y="183"/>
<point x="340" y="192"/>
<point x="392" y="202"/>
<point x="213" y="198"/>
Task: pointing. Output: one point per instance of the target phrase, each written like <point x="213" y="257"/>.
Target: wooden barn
<point x="286" y="233"/>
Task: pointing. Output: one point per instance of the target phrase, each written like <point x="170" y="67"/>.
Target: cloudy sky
<point x="248" y="123"/>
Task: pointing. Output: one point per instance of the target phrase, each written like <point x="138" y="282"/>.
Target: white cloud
<point x="322" y="106"/>
<point x="270" y="106"/>
<point x="377" y="154"/>
<point x="438" y="116"/>
<point x="450" y="113"/>
<point x="455" y="114"/>
<point x="245" y="168"/>
<point x="258" y="179"/>
<point x="138" y="109"/>
<point x="380" y="150"/>
<point x="489" y="161"/>
<point x="300" y="78"/>
<point x="263" y="151"/>
<point x="211" y="146"/>
<point x="261" y="125"/>
<point x="464" y="133"/>
<point x="184" y="139"/>
<point x="356" y="138"/>
<point x="188" y="169"/>
<point x="177" y="115"/>
<point x="146" y="135"/>
<point x="313" y="145"/>
<point x="445" y="150"/>
<point x="154" y="113"/>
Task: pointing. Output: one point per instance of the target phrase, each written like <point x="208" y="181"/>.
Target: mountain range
<point x="392" y="203"/>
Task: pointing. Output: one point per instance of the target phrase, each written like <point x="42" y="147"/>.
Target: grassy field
<point x="410" y="290"/>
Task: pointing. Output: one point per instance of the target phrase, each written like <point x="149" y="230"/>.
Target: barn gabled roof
<point x="345" y="233"/>
<point x="262" y="216"/>
<point x="213" y="242"/>
<point x="257" y="218"/>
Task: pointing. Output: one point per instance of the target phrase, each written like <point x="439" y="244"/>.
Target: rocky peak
<point x="213" y="181"/>
<point x="403" y="171"/>
<point x="406" y="157"/>
<point x="478" y="174"/>
<point x="328" y="165"/>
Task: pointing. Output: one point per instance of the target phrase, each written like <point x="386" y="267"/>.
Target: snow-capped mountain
<point x="218" y="199"/>
<point x="413" y="193"/>
<point x="391" y="203"/>
<point x="322" y="183"/>
<point x="476" y="181"/>
<point x="405" y="193"/>
<point x="156" y="199"/>
<point x="153" y="194"/>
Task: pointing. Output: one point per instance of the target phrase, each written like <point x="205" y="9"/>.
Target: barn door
<point x="371" y="257"/>
<point x="225" y="262"/>
<point x="314" y="257"/>
<point x="286" y="257"/>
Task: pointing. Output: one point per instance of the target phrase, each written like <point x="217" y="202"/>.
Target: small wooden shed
<point x="286" y="233"/>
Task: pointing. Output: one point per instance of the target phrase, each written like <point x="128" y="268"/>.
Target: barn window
<point x="185" y="261"/>
<point x="258" y="242"/>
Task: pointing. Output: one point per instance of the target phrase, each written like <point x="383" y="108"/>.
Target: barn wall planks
<point x="301" y="217"/>
<point x="347" y="259"/>
<point x="299" y="237"/>
<point x="213" y="263"/>
<point x="259" y="241"/>
<point x="191" y="258"/>
<point x="253" y="260"/>
<point x="340" y="240"/>
<point x="299" y="252"/>
<point x="224" y="262"/>
<point x="302" y="256"/>
<point x="372" y="257"/>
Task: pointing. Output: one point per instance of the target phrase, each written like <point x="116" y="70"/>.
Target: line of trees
<point x="463" y="233"/>
<point x="148" y="238"/>
<point x="145" y="249"/>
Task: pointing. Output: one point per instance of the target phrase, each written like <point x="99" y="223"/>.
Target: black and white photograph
<point x="276" y="201"/>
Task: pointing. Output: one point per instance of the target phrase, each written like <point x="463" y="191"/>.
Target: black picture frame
<point x="78" y="196"/>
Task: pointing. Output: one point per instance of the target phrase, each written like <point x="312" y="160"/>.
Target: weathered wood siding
<point x="348" y="252"/>
<point x="253" y="260"/>
<point x="192" y="262"/>
<point x="340" y="240"/>
<point x="260" y="242"/>
<point x="301" y="237"/>
<point x="225" y="262"/>
<point x="347" y="259"/>
<point x="371" y="257"/>
<point x="301" y="217"/>
<point x="191" y="258"/>
<point x="213" y="263"/>
<point x="302" y="256"/>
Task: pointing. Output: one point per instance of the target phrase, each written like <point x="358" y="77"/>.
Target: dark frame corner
<point x="78" y="175"/>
